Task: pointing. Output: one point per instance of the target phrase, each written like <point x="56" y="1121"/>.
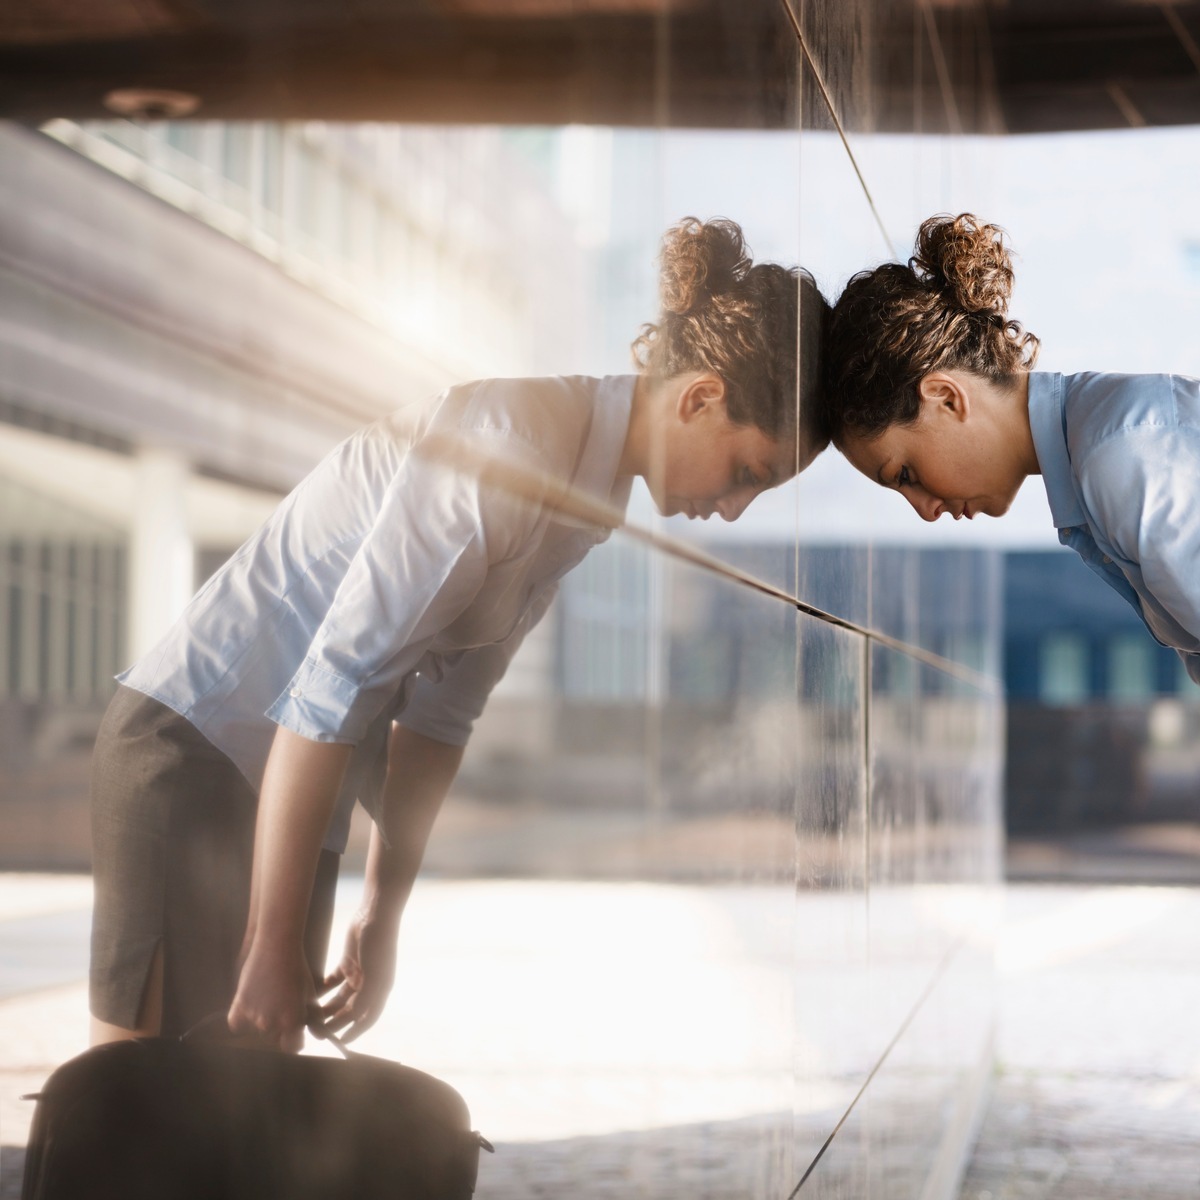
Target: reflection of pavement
<point x="525" y="840"/>
<point x="1099" y="1046"/>
<point x="1161" y="852"/>
<point x="542" y="1002"/>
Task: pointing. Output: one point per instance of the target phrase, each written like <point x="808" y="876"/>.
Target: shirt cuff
<point x="323" y="706"/>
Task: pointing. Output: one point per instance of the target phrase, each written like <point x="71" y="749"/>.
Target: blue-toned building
<point x="1102" y="720"/>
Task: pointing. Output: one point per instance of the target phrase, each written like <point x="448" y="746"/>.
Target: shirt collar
<point x="596" y="475"/>
<point x="1048" y="423"/>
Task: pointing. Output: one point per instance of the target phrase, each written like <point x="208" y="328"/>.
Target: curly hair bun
<point x="946" y="309"/>
<point x="967" y="261"/>
<point x="759" y="326"/>
<point x="701" y="259"/>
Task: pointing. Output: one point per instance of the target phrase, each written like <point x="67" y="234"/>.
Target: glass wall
<point x="709" y="909"/>
<point x="763" y="840"/>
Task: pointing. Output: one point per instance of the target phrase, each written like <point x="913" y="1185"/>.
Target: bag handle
<point x="211" y="1028"/>
<point x="215" y="1028"/>
<point x="327" y="1035"/>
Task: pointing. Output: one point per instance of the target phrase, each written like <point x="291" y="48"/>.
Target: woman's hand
<point x="363" y="978"/>
<point x="419" y="774"/>
<point x="275" y="996"/>
<point x="276" y="993"/>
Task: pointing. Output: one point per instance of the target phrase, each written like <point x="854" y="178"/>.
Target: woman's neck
<point x="1023" y="430"/>
<point x="635" y="452"/>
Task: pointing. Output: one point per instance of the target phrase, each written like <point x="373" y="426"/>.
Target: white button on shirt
<point x="391" y="584"/>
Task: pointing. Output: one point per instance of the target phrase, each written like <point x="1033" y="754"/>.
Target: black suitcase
<point x="197" y="1119"/>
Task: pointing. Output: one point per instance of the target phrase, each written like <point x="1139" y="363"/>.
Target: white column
<point x="162" y="557"/>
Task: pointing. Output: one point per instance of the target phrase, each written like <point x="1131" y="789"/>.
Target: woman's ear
<point x="943" y="394"/>
<point x="700" y="393"/>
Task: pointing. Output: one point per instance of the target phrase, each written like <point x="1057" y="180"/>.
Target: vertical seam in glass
<point x="799" y="326"/>
<point x="942" y="67"/>
<point x="866" y="784"/>
<point x="662" y="66"/>
<point x="987" y="71"/>
<point x="837" y="122"/>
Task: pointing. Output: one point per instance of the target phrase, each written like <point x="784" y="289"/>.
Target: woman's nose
<point x="731" y="507"/>
<point x="928" y="507"/>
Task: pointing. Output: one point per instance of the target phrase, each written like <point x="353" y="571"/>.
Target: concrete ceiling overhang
<point x="1057" y="64"/>
<point x="1096" y="64"/>
<point x="511" y="61"/>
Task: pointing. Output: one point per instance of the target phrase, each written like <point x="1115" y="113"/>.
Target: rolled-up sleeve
<point x="422" y="561"/>
<point x="446" y="709"/>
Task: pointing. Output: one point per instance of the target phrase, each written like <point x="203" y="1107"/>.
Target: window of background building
<point x="969" y="649"/>
<point x="62" y="605"/>
<point x="61" y="610"/>
<point x="895" y="675"/>
<point x="604" y="618"/>
<point x="1191" y="260"/>
<point x="1130" y="668"/>
<point x="237" y="154"/>
<point x="1185" y="686"/>
<point x="1063" y="669"/>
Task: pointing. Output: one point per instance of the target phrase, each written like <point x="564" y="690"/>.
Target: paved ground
<point x="1097" y="1093"/>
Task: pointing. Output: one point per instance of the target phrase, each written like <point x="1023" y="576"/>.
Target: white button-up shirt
<point x="1120" y="458"/>
<point x="392" y="584"/>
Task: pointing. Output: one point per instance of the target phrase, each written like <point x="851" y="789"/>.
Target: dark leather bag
<point x="199" y="1119"/>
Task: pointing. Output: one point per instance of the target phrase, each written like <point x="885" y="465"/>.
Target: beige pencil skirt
<point x="172" y="845"/>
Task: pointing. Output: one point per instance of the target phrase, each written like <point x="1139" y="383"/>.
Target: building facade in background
<point x="1103" y="723"/>
<point x="194" y="313"/>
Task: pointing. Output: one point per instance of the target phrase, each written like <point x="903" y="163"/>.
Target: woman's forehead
<point x="781" y="455"/>
<point x="871" y="455"/>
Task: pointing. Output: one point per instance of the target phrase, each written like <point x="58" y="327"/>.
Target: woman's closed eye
<point x="904" y="479"/>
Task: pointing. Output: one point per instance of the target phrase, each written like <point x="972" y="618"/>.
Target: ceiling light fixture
<point x="151" y="104"/>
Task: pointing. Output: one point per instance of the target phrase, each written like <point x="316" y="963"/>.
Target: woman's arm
<point x="420" y="772"/>
<point x="300" y="786"/>
<point x="1140" y="485"/>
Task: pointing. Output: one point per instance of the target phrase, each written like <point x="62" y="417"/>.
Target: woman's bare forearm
<point x="299" y="790"/>
<point x="276" y="989"/>
<point x="420" y="772"/>
<point x="419" y="775"/>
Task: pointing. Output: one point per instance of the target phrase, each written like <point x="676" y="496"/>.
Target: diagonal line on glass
<point x="551" y="492"/>
<point x="1182" y="33"/>
<point x="942" y="967"/>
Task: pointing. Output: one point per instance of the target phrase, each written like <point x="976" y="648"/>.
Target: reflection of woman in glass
<point x="346" y="649"/>
<point x="930" y="392"/>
